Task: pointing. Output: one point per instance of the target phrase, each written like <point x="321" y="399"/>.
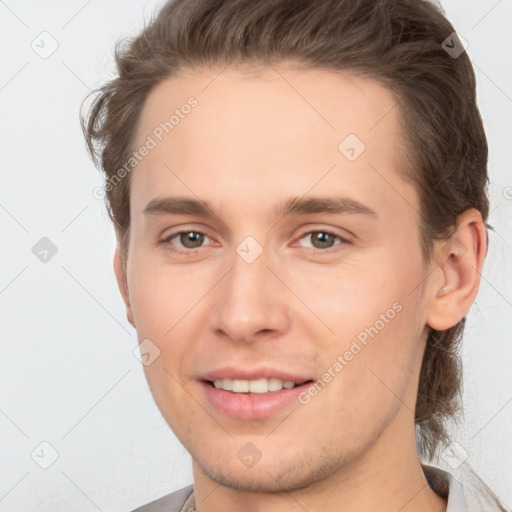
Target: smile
<point x="259" y="386"/>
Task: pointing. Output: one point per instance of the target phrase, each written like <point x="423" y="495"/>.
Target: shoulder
<point x="173" y="502"/>
<point x="465" y="493"/>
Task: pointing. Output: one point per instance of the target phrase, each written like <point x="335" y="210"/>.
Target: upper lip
<point x="235" y="373"/>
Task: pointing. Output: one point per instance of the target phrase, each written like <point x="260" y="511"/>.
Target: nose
<point x="250" y="302"/>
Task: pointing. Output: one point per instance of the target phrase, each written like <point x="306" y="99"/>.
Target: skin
<point x="253" y="142"/>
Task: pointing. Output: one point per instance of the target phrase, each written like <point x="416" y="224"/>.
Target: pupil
<point x="322" y="241"/>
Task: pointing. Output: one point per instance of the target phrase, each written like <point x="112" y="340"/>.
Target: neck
<point x="388" y="478"/>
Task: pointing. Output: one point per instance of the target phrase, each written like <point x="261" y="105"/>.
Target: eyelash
<point x="343" y="241"/>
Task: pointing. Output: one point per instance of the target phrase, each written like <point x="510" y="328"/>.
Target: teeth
<point x="253" y="386"/>
<point x="240" y="386"/>
<point x="275" y="385"/>
<point x="227" y="384"/>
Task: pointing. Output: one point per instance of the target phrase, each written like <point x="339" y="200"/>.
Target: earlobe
<point x="123" y="284"/>
<point x="460" y="260"/>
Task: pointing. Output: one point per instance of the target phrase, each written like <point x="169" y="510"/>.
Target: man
<point x="301" y="231"/>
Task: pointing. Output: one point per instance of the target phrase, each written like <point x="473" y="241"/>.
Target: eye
<point x="187" y="239"/>
<point x="322" y="239"/>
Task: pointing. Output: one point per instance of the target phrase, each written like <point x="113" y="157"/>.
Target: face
<point x="274" y="241"/>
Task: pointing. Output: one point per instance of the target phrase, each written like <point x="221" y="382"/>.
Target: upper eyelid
<point x="172" y="234"/>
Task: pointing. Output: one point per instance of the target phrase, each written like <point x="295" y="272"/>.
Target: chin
<point x="285" y="476"/>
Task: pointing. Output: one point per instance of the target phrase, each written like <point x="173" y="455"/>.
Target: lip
<point x="251" y="406"/>
<point x="233" y="372"/>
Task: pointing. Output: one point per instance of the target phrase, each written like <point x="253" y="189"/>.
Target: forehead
<point x="278" y="127"/>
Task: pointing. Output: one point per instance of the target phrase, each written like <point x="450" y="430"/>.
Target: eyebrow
<point x="294" y="206"/>
<point x="333" y="205"/>
<point x="178" y="206"/>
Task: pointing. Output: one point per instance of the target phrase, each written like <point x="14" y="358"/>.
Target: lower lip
<point x="251" y="406"/>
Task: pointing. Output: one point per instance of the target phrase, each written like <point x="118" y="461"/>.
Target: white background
<point x="68" y="374"/>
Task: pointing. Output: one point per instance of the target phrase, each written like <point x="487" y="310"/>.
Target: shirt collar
<point x="444" y="484"/>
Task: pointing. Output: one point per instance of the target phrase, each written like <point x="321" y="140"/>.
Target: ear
<point x="460" y="260"/>
<point x="122" y="283"/>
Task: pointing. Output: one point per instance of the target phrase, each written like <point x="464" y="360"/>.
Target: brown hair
<point x="397" y="42"/>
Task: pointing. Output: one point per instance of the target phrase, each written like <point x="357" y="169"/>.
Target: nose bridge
<point x="246" y="279"/>
<point x="249" y="301"/>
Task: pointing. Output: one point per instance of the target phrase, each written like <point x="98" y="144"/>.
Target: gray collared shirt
<point x="442" y="482"/>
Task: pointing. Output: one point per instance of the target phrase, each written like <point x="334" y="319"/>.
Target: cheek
<point x="352" y="298"/>
<point x="376" y="322"/>
<point x="160" y="300"/>
<point x="162" y="295"/>
<point x="371" y="380"/>
<point x="166" y="301"/>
